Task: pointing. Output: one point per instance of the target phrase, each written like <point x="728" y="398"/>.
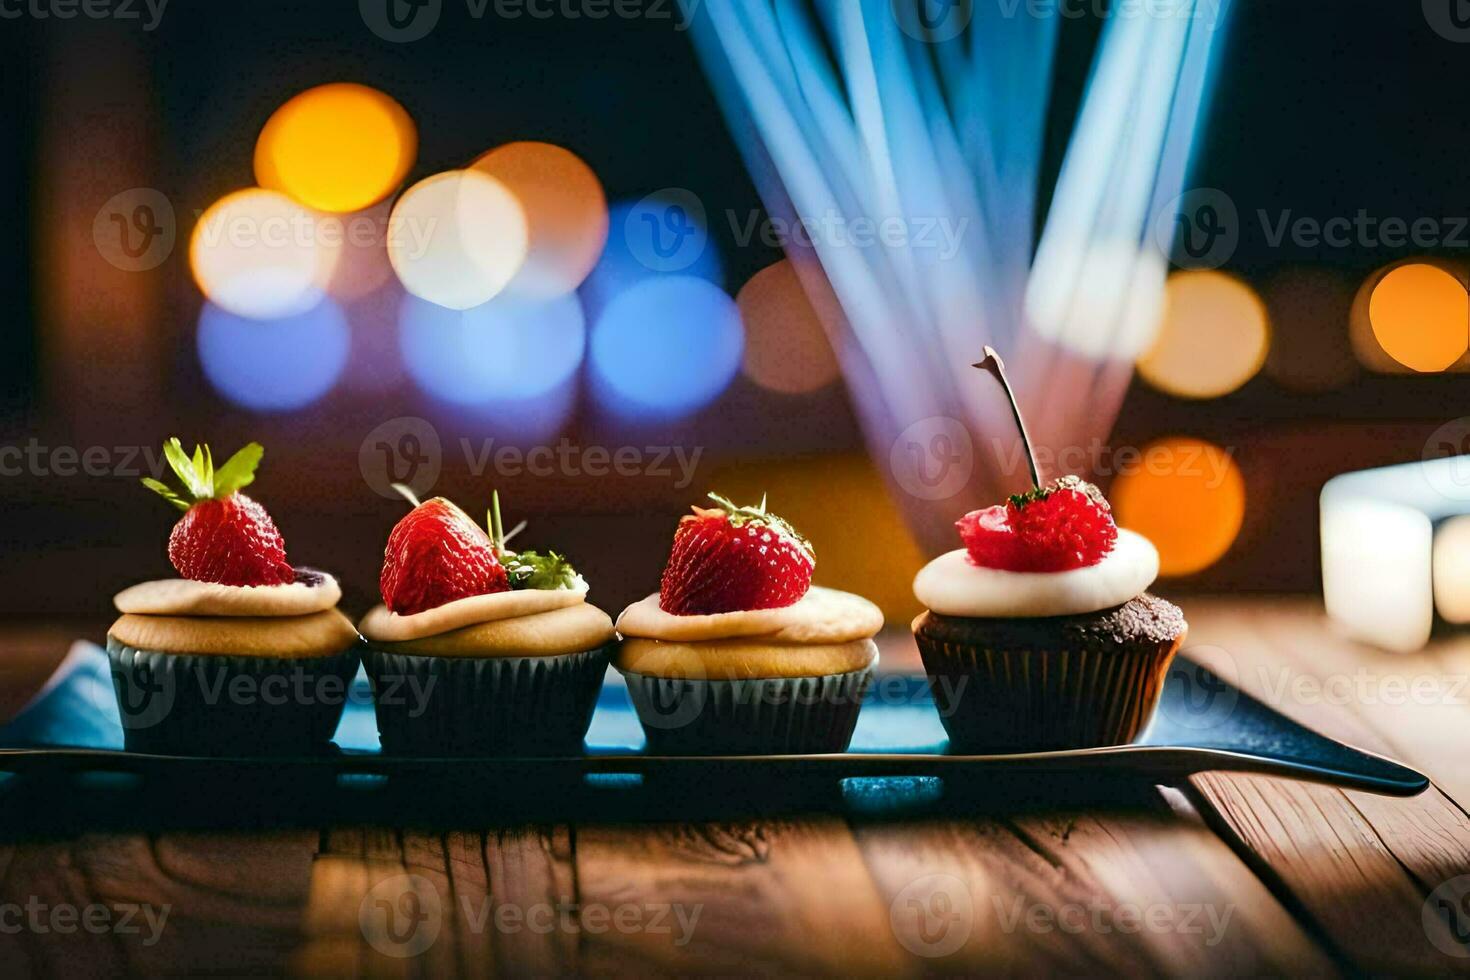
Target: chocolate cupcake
<point x="243" y="655"/>
<point x="1039" y="634"/>
<point x="737" y="654"/>
<point x="478" y="650"/>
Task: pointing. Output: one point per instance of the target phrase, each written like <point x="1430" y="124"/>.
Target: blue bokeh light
<point x="666" y="347"/>
<point x="508" y="350"/>
<point x="274" y="365"/>
<point x="665" y="233"/>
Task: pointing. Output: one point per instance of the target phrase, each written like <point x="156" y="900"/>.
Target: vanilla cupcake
<point x="737" y="653"/>
<point x="243" y="655"/>
<point x="478" y="650"/>
<point x="1039" y="633"/>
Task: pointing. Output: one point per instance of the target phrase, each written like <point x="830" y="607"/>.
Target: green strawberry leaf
<point x="740" y="516"/>
<point x="529" y="570"/>
<point x="238" y="471"/>
<point x="185" y="470"/>
<point x="200" y="479"/>
<point x="162" y="489"/>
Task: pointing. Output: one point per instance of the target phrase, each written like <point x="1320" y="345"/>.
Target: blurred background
<point x="685" y="357"/>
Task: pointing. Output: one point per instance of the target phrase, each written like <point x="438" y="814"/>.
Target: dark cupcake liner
<point x="760" y="716"/>
<point x="214" y="705"/>
<point x="999" y="701"/>
<point x="488" y="706"/>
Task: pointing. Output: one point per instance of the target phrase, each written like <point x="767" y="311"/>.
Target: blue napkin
<point x="75" y="708"/>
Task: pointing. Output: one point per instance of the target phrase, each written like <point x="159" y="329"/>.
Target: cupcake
<point x="737" y="653"/>
<point x="477" y="649"/>
<point x="242" y="654"/>
<point x="1039" y="633"/>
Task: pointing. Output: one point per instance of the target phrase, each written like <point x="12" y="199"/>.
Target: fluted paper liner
<point x="213" y="705"/>
<point x="763" y="716"/>
<point x="485" y="706"/>
<point x="999" y="701"/>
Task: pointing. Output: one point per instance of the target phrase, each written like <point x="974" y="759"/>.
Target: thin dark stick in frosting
<point x="997" y="369"/>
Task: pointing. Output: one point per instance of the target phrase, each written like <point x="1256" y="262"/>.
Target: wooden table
<point x="1227" y="874"/>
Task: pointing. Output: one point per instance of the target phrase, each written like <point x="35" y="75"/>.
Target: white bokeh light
<point x="258" y="254"/>
<point x="457" y="238"/>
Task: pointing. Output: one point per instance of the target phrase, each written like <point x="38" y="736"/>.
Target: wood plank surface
<point x="174" y="903"/>
<point x="767" y="897"/>
<point x="1147" y="894"/>
<point x="1360" y="869"/>
<point x="1233" y="875"/>
<point x="413" y="903"/>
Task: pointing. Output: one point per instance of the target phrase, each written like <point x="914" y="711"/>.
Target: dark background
<point x="1323" y="108"/>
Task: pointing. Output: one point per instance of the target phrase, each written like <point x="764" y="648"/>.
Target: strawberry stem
<point x="497" y="532"/>
<point x="498" y="535"/>
<point x="997" y="369"/>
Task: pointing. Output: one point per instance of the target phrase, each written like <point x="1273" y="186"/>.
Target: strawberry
<point x="224" y="536"/>
<point x="732" y="558"/>
<point x="1065" y="525"/>
<point x="436" y="554"/>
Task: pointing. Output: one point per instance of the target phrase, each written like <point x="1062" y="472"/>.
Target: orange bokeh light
<point x="566" y="214"/>
<point x="786" y="349"/>
<point x="1420" y="315"/>
<point x="1213" y="338"/>
<point x="338" y="147"/>
<point x="1186" y="496"/>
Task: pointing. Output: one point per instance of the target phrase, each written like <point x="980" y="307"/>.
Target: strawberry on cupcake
<point x="1040" y="633"/>
<point x="478" y="649"/>
<point x="242" y="654"/>
<point x="738" y="653"/>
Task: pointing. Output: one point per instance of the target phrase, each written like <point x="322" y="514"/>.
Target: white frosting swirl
<point x="952" y="585"/>
<point x="186" y="597"/>
<point x="385" y="626"/>
<point x="820" y="616"/>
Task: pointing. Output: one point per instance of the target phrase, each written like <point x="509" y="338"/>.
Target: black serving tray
<point x="1203" y="723"/>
